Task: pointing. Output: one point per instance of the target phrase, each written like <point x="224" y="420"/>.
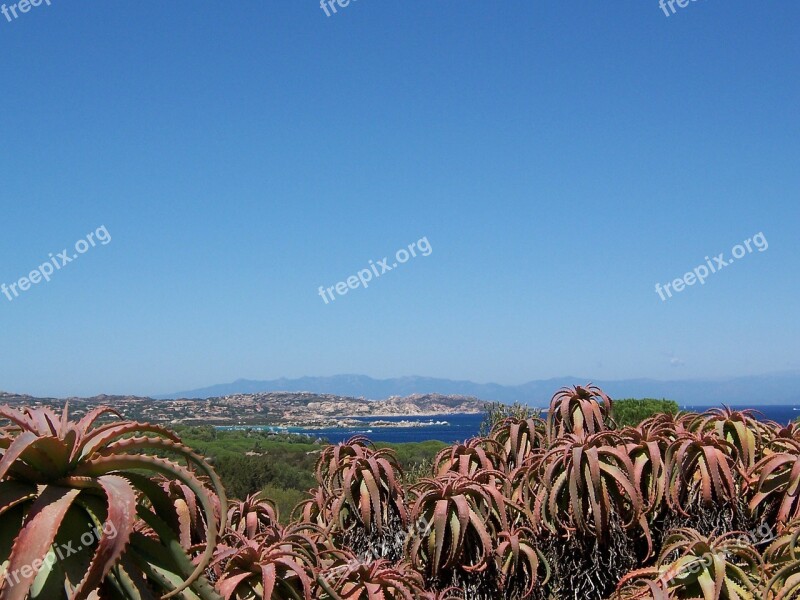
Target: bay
<point x="459" y="427"/>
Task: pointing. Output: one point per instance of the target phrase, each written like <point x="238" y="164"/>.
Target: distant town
<point x="284" y="409"/>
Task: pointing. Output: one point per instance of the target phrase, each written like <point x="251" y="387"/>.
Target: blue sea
<point x="453" y="428"/>
<point x="445" y="428"/>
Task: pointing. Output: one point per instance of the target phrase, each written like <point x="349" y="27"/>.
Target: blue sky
<point x="560" y="157"/>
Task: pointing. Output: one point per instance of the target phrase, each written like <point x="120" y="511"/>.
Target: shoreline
<point x="345" y="423"/>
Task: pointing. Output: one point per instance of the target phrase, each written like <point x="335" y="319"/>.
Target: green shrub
<point x="630" y="411"/>
<point x="497" y="411"/>
<point x="285" y="499"/>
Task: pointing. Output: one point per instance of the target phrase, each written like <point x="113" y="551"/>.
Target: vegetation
<point x="577" y="506"/>
<point x="251" y="460"/>
<point x="627" y="412"/>
<point x="630" y="412"/>
<point x="60" y="479"/>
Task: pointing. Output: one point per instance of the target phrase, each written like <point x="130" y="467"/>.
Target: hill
<point x="776" y="388"/>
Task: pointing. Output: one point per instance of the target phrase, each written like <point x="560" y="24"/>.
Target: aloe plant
<point x="58" y="477"/>
<point x="253" y="515"/>
<point x="470" y="457"/>
<point x="739" y="428"/>
<point x="521" y="563"/>
<point x="646" y="448"/>
<point x="696" y="567"/>
<point x="519" y="438"/>
<point x="775" y="483"/>
<point x="460" y="518"/>
<point x="588" y="482"/>
<point x="350" y="579"/>
<point x="704" y="482"/>
<point x="267" y="569"/>
<point x="578" y="410"/>
<point x="333" y="459"/>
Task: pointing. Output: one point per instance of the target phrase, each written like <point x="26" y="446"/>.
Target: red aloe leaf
<point x="440" y="522"/>
<point x="121" y="515"/>
<point x="15" y="450"/>
<point x="228" y="584"/>
<point x="12" y="493"/>
<point x="106" y="464"/>
<point x="89" y="418"/>
<point x="20" y="419"/>
<point x="103" y="436"/>
<point x="35" y="538"/>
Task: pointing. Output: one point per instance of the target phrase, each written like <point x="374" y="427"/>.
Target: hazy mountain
<point x="776" y="388"/>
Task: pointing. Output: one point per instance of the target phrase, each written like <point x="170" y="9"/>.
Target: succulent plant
<point x="59" y="478"/>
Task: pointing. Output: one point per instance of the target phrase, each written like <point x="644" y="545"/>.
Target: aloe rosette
<point x="739" y="428"/>
<point x="580" y="410"/>
<point x="267" y="568"/>
<point x="702" y="470"/>
<point x="61" y="478"/>
<point x="456" y="519"/>
<point x="469" y="457"/>
<point x="519" y="438"/>
<point x="253" y="515"/>
<point x="646" y="449"/>
<point x="775" y="483"/>
<point x="520" y="562"/>
<point x="696" y="567"/>
<point x="350" y="579"/>
<point x="589" y="482"/>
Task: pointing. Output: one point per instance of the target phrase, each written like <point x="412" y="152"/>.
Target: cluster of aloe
<point x="688" y="506"/>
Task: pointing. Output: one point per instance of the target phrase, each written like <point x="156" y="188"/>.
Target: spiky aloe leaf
<point x="91" y="461"/>
<point x="518" y="439"/>
<point x="350" y="579"/>
<point x="775" y="483"/>
<point x="701" y="470"/>
<point x="588" y="481"/>
<point x="693" y="566"/>
<point x="253" y="515"/>
<point x="578" y="410"/>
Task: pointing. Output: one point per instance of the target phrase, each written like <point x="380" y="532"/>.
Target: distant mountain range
<point x="776" y="388"/>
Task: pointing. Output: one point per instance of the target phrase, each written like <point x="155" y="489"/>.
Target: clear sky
<point x="560" y="157"/>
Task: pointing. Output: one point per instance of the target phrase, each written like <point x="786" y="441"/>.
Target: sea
<point x="459" y="427"/>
